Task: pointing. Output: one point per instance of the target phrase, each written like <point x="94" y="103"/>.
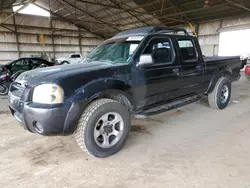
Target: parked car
<point x="247" y="70"/>
<point x="25" y="64"/>
<point x="10" y="71"/>
<point x="72" y="59"/>
<point x="142" y="72"/>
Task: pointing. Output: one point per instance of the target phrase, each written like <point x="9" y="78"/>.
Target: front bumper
<point x="61" y="120"/>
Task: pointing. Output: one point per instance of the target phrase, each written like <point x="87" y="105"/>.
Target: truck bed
<point x="210" y="59"/>
<point x="219" y="63"/>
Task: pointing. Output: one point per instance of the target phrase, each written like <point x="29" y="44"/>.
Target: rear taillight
<point x="4" y="77"/>
<point x="247" y="69"/>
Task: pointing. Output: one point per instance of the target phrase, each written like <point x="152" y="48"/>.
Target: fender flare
<point x="217" y="75"/>
<point x="86" y="94"/>
<point x="100" y="87"/>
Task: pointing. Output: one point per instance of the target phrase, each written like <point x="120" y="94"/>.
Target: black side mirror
<point x="145" y="60"/>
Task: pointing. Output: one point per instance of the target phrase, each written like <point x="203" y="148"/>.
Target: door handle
<point x="176" y="71"/>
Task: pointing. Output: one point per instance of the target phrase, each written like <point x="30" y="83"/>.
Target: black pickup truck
<point x="142" y="72"/>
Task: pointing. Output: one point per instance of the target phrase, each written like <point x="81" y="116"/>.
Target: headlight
<point x="48" y="94"/>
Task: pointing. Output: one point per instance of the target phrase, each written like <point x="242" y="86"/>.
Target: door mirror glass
<point x="145" y="60"/>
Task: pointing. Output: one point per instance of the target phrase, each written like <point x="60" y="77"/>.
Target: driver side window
<point x="160" y="49"/>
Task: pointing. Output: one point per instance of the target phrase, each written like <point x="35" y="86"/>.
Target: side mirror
<point x="145" y="60"/>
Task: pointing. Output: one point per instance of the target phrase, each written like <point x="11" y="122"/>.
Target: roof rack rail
<point x="169" y="30"/>
<point x="151" y="29"/>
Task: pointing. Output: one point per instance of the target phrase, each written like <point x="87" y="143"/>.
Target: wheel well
<point x="116" y="95"/>
<point x="226" y="73"/>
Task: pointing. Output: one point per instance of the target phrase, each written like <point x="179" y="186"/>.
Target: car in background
<point x="10" y="71"/>
<point x="247" y="69"/>
<point x="25" y="64"/>
<point x="72" y="59"/>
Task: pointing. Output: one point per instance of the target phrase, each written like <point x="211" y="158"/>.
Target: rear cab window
<point x="187" y="50"/>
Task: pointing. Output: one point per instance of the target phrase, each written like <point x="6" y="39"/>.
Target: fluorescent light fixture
<point x="32" y="9"/>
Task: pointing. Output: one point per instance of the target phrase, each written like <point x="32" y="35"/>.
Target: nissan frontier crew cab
<point x="143" y="72"/>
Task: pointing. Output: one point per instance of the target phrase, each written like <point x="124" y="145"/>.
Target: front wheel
<point x="4" y="89"/>
<point x="103" y="128"/>
<point x="220" y="96"/>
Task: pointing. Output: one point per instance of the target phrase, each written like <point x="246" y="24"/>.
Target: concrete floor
<point x="3" y="104"/>
<point x="194" y="146"/>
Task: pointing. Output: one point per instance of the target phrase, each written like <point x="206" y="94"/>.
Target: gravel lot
<point x="194" y="146"/>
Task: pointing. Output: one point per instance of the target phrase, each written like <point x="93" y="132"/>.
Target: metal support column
<point x="197" y="29"/>
<point x="80" y="40"/>
<point x="52" y="38"/>
<point x="17" y="36"/>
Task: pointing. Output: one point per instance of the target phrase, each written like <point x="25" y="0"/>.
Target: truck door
<point x="159" y="81"/>
<point x="191" y="64"/>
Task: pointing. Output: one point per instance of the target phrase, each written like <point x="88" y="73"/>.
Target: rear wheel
<point x="4" y="89"/>
<point x="103" y="128"/>
<point x="220" y="96"/>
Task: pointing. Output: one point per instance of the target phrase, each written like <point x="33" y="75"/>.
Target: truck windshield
<point x="114" y="51"/>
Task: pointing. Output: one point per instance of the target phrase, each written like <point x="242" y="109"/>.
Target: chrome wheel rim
<point x="224" y="94"/>
<point x="108" y="130"/>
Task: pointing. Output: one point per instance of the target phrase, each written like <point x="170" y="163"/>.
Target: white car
<point x="72" y="59"/>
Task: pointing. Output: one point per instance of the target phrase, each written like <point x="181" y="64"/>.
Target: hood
<point x="53" y="74"/>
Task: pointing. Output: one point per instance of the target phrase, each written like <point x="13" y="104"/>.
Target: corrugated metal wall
<point x="65" y="38"/>
<point x="209" y="33"/>
<point x="61" y="38"/>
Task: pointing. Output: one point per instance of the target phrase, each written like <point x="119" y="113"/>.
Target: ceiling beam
<point x="130" y="13"/>
<point x="115" y="6"/>
<point x="211" y="17"/>
<point x="3" y="25"/>
<point x="169" y="16"/>
<point x="153" y="13"/>
<point x="90" y="15"/>
<point x="70" y="21"/>
<point x="180" y="9"/>
<point x="18" y="10"/>
<point x="238" y="5"/>
<point x="134" y="9"/>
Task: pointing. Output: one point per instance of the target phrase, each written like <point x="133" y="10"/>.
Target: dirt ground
<point x="194" y="146"/>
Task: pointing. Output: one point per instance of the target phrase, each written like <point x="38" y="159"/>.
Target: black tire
<point x="4" y="89"/>
<point x="84" y="133"/>
<point x="214" y="98"/>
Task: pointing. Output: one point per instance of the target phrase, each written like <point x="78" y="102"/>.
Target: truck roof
<point x="152" y="30"/>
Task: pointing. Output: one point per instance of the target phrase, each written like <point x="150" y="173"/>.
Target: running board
<point x="167" y="107"/>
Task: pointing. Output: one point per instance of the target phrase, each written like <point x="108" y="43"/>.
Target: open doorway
<point x="234" y="43"/>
